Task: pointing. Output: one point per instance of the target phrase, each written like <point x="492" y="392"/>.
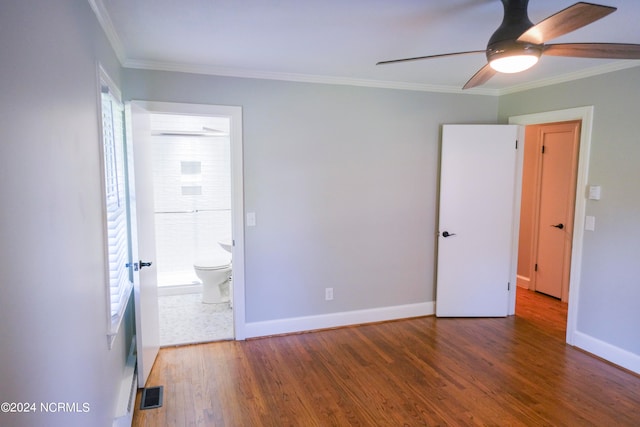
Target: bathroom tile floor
<point x="184" y="319"/>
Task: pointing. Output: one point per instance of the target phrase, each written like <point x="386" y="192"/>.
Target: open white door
<point x="142" y="239"/>
<point x="479" y="211"/>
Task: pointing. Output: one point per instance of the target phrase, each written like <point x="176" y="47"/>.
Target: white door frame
<point x="585" y="114"/>
<point x="237" y="191"/>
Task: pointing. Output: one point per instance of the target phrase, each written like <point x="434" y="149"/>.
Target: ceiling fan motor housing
<point x="515" y="22"/>
<point x="510" y="48"/>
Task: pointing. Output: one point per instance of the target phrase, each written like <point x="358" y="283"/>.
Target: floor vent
<point x="151" y="398"/>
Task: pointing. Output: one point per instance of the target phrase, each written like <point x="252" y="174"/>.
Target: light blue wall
<point x="53" y="302"/>
<point x="608" y="308"/>
<point x="343" y="181"/>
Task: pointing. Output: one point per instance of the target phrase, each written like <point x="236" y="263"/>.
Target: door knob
<point x="138" y="265"/>
<point x="447" y="234"/>
<point x="560" y="226"/>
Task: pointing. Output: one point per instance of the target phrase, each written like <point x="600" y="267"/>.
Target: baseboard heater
<point x="128" y="389"/>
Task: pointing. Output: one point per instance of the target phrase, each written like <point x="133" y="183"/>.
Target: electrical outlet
<point x="328" y="294"/>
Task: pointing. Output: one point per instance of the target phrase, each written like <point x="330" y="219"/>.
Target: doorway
<point x="546" y="214"/>
<point x="221" y="125"/>
<point x="585" y="116"/>
<point x="191" y="159"/>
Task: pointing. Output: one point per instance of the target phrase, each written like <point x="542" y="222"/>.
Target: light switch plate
<point x="590" y="223"/>
<point x="594" y="192"/>
<point x="251" y="219"/>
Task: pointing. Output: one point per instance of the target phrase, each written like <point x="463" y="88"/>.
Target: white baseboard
<point x="128" y="389"/>
<point x="179" y="290"/>
<point x="523" y="282"/>
<point x="332" y="320"/>
<point x="609" y="352"/>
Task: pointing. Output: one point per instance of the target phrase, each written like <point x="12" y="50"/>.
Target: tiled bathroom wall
<point x="192" y="191"/>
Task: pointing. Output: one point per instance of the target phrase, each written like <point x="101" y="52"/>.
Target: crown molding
<point x="563" y="78"/>
<point x="107" y="26"/>
<point x="382" y="84"/>
<point x="294" y="77"/>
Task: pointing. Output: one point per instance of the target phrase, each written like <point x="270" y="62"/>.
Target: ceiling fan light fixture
<point x="513" y="57"/>
<point x="514" y="63"/>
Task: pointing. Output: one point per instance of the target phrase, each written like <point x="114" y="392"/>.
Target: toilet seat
<point x="216" y="262"/>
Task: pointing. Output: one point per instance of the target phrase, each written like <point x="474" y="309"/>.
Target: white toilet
<point x="214" y="271"/>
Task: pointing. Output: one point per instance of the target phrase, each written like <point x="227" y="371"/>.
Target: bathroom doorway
<point x="191" y="157"/>
<point x="195" y="156"/>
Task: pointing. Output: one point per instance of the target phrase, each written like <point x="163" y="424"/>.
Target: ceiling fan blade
<point x="594" y="50"/>
<point x="565" y="21"/>
<point x="481" y="77"/>
<point x="418" y="58"/>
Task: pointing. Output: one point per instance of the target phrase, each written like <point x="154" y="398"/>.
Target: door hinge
<point x="543" y="149"/>
<point x="535" y="267"/>
<point x="508" y="286"/>
<point x="516" y="144"/>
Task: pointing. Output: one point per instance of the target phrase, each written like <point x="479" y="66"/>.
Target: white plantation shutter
<point x="118" y="257"/>
<point x="115" y="205"/>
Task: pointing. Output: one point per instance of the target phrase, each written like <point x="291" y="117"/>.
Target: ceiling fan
<point x="518" y="44"/>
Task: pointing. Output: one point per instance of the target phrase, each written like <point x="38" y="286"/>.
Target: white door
<point x="143" y="239"/>
<point x="479" y="200"/>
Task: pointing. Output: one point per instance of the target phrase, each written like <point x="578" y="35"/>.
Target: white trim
<point x="333" y="320"/>
<point x="128" y="387"/>
<point x="384" y="84"/>
<point x="563" y="78"/>
<point x="237" y="189"/>
<point x="164" y="291"/>
<point x="114" y="90"/>
<point x="613" y="354"/>
<point x="515" y="227"/>
<point x="295" y="77"/>
<point x="113" y="322"/>
<point x="523" y="282"/>
<point x="109" y="29"/>
<point x="585" y="114"/>
<point x="111" y="327"/>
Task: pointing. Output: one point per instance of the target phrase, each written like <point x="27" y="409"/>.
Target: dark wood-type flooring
<point x="514" y="371"/>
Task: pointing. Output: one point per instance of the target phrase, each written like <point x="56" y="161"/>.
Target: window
<point x="117" y="233"/>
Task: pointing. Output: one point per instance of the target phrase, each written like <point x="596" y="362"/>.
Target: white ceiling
<point x="340" y="41"/>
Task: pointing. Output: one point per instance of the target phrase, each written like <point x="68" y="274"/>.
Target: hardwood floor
<point x="514" y="371"/>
